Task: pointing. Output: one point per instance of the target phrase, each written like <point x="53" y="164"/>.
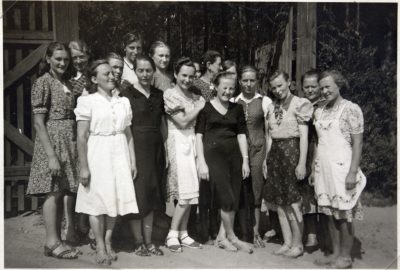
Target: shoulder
<point x="44" y="79"/>
<point x="352" y="108"/>
<point x="87" y="99"/>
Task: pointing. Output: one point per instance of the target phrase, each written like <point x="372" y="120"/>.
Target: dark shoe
<point x="59" y="251"/>
<point x="141" y="250"/>
<point x="311" y="249"/>
<point x="187" y="241"/>
<point x="154" y="250"/>
<point x="173" y="244"/>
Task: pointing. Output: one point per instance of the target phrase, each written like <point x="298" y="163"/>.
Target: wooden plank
<point x="17" y="18"/>
<point x="16" y="171"/>
<point x="65" y="28"/>
<point x="35" y="203"/>
<point x="8" y="198"/>
<point x="28" y="35"/>
<point x="23" y="142"/>
<point x="27" y="41"/>
<point x="45" y="16"/>
<point x="32" y="16"/>
<point x="21" y="197"/>
<point x="20" y="110"/>
<point x="24" y="66"/>
<point x="7" y="113"/>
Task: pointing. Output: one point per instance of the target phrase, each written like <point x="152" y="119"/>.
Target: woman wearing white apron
<point x="338" y="178"/>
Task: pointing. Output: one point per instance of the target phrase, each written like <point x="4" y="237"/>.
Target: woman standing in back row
<point x="160" y="53"/>
<point x="133" y="46"/>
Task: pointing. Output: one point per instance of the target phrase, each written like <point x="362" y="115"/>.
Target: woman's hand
<point x="351" y="180"/>
<point x="264" y="168"/>
<point x="133" y="170"/>
<point x="84" y="177"/>
<point x="245" y="168"/>
<point x="203" y="171"/>
<point x="54" y="166"/>
<point x="300" y="172"/>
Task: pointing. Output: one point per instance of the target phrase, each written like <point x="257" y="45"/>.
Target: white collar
<point x="78" y="75"/>
<point x="127" y="63"/>
<point x="240" y="96"/>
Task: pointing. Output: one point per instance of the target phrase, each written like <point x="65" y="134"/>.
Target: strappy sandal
<point x="111" y="253"/>
<point x="294" y="252"/>
<point x="240" y="245"/>
<point x="225" y="244"/>
<point x="258" y="242"/>
<point x="189" y="242"/>
<point x="281" y="250"/>
<point x="154" y="250"/>
<point x="64" y="254"/>
<point x="102" y="257"/>
<point x="341" y="263"/>
<point x="173" y="244"/>
<point x="141" y="250"/>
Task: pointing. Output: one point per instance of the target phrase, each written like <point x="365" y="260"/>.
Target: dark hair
<point x="130" y="37"/>
<point x="155" y="45"/>
<point x="143" y="57"/>
<point x="276" y="74"/>
<point x="51" y="48"/>
<point x="308" y="74"/>
<point x="209" y="56"/>
<point x="92" y="88"/>
<point x="113" y="55"/>
<point x="183" y="61"/>
<point x="248" y="68"/>
<point x="337" y="77"/>
<point x="227" y="64"/>
<point x="222" y="75"/>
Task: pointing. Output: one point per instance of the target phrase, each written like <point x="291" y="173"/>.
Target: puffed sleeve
<point x="304" y="111"/>
<point x="83" y="110"/>
<point x="40" y="98"/>
<point x="172" y="104"/>
<point x="266" y="101"/>
<point x="128" y="109"/>
<point x="201" y="122"/>
<point x="241" y="127"/>
<point x="354" y="118"/>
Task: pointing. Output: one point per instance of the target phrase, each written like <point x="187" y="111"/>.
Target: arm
<point x="164" y="134"/>
<point x="201" y="161"/>
<point x="131" y="146"/>
<point x="268" y="143"/>
<point x="41" y="131"/>
<point x="301" y="166"/>
<point x="357" y="140"/>
<point x="184" y="118"/>
<point x="242" y="140"/>
<point x="311" y="178"/>
<point x="82" y="138"/>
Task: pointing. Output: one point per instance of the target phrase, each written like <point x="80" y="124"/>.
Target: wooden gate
<point x="28" y="27"/>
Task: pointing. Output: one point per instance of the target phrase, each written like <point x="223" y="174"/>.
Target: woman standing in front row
<point x="54" y="162"/>
<point x="107" y="158"/>
<point x="182" y="107"/>
<point x="286" y="162"/>
<point x="222" y="155"/>
<point x="149" y="133"/>
<point x="339" y="180"/>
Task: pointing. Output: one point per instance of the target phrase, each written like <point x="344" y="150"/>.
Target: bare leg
<point x="51" y="218"/>
<point x="228" y="219"/>
<point x="98" y="228"/>
<point x="286" y="232"/>
<point x="296" y="225"/>
<point x="69" y="206"/>
<point x="110" y="223"/>
<point x="185" y="218"/>
<point x="147" y="227"/>
<point x="179" y="213"/>
<point x="346" y="238"/>
<point x="334" y="232"/>
<point x="136" y="228"/>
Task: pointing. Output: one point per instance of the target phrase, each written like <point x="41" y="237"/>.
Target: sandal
<point x="60" y="251"/>
<point x="258" y="242"/>
<point x="325" y="260"/>
<point x="281" y="250"/>
<point x="294" y="252"/>
<point x="240" y="245"/>
<point x="341" y="263"/>
<point x="154" y="250"/>
<point x="141" y="250"/>
<point x="173" y="244"/>
<point x="102" y="257"/>
<point x="111" y="253"/>
<point x="189" y="242"/>
<point x="225" y="244"/>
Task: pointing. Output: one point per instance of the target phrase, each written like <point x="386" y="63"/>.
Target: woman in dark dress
<point x="223" y="156"/>
<point x="147" y="125"/>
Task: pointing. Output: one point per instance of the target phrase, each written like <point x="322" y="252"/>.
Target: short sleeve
<point x="266" y="101"/>
<point x="40" y="98"/>
<point x="304" y="111"/>
<point x="201" y="122"/>
<point x="128" y="109"/>
<point x="83" y="110"/>
<point x="241" y="127"/>
<point x="354" y="118"/>
<point x="172" y="104"/>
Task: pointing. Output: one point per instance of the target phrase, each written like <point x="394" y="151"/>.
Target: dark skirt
<point x="282" y="187"/>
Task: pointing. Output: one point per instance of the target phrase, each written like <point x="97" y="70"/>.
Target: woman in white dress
<point x="107" y="158"/>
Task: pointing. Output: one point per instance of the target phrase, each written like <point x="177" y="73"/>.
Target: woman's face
<point x="104" y="77"/>
<point x="58" y="62"/>
<point x="117" y="67"/>
<point x="280" y="87"/>
<point x="225" y="89"/>
<point x="144" y="71"/>
<point x="161" y="57"/>
<point x="133" y="49"/>
<point x="215" y="67"/>
<point x="232" y="70"/>
<point x="80" y="60"/>
<point x="311" y="88"/>
<point x="248" y="83"/>
<point x="329" y="89"/>
<point x="198" y="71"/>
<point x="185" y="77"/>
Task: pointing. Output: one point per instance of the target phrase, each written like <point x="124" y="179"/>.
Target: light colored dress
<point x="333" y="160"/>
<point x="111" y="191"/>
<point x="182" y="180"/>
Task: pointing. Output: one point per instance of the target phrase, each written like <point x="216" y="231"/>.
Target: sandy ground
<point x="377" y="235"/>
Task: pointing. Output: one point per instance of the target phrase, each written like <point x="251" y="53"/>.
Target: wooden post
<point x="32" y="17"/>
<point x="45" y="16"/>
<point x="65" y="20"/>
<point x="8" y="197"/>
<point x="21" y="196"/>
<point x="7" y="113"/>
<point x="306" y="40"/>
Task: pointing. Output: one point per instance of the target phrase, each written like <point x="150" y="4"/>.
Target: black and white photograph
<point x="199" y="134"/>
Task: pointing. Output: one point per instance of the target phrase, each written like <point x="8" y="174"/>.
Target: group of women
<point x="126" y="136"/>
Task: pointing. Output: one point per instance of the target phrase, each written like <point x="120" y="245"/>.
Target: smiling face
<point x="80" y="59"/>
<point x="185" y="77"/>
<point x="117" y="67"/>
<point x="311" y="88"/>
<point x="161" y="57"/>
<point x="104" y="77"/>
<point x="58" y="62"/>
<point x="133" y="49"/>
<point x="329" y="89"/>
<point x="225" y="89"/>
<point x="248" y="83"/>
<point x="280" y="87"/>
<point x="144" y="71"/>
